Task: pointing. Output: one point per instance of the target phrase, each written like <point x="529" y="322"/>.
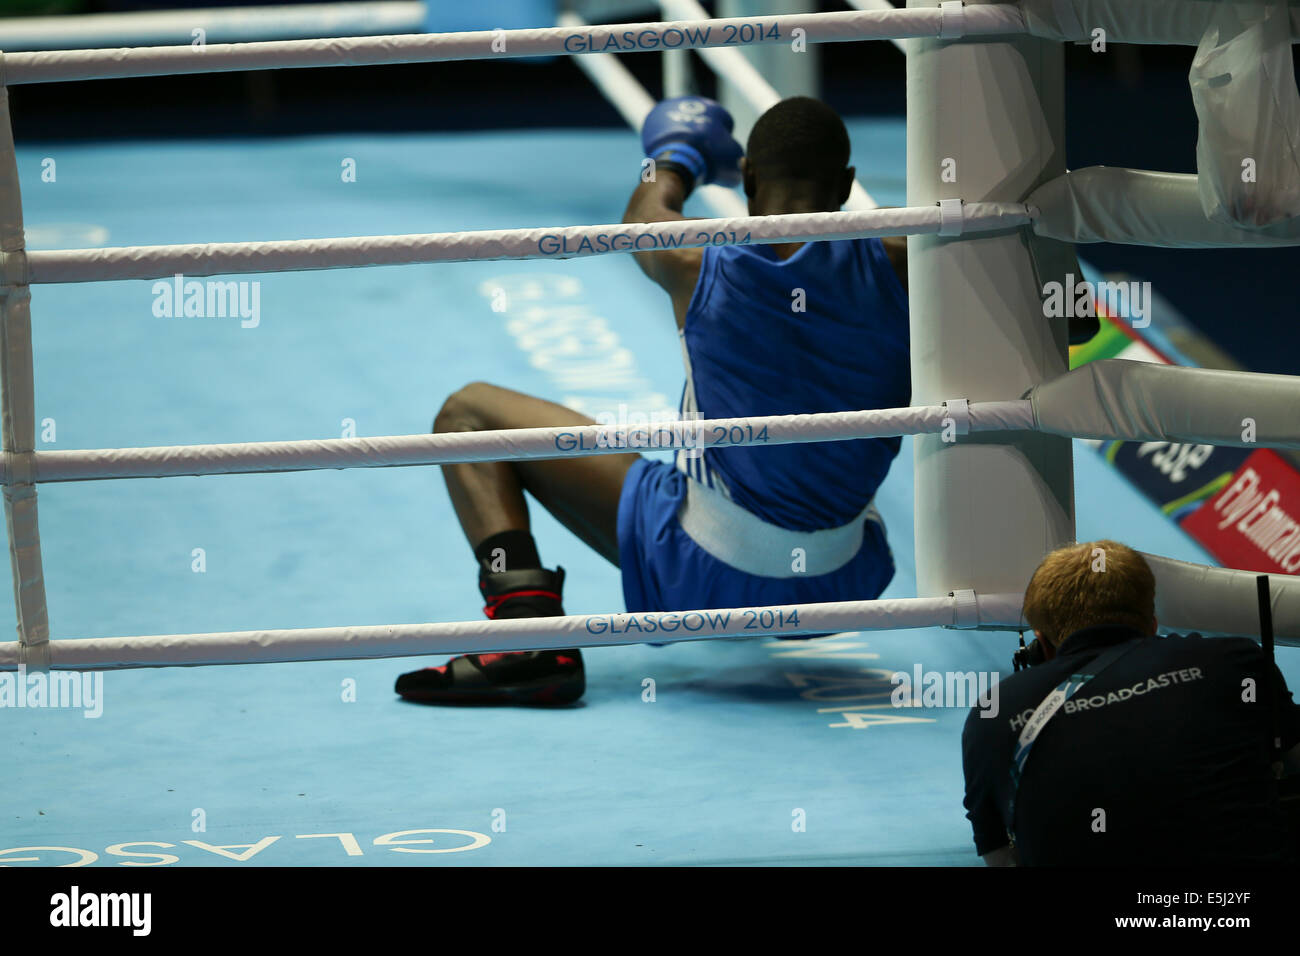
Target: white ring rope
<point x="63" y="65"/>
<point x="732" y="66"/>
<point x="458" y="637"/>
<point x="1051" y="409"/>
<point x="504" y="445"/>
<point x="1109" y="398"/>
<point x="727" y="62"/>
<point x="545" y="242"/>
<point x="617" y="84"/>
<point x="220" y="24"/>
<point x="878" y="5"/>
<point x="613" y="79"/>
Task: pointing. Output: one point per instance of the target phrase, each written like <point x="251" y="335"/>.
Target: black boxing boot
<point x="520" y="677"/>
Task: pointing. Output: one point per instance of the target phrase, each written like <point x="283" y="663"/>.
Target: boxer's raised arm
<point x="688" y="142"/>
<point x="674" y="270"/>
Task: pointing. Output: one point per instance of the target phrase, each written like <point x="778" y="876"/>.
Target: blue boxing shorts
<point x="665" y="570"/>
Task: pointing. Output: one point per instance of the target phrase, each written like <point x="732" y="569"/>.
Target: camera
<point x="1028" y="656"/>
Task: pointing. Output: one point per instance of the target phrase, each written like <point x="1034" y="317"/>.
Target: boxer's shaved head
<point x="799" y="144"/>
<point x="799" y="138"/>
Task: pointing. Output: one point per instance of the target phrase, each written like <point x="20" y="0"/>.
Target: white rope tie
<point x="950" y="217"/>
<point x="953" y="20"/>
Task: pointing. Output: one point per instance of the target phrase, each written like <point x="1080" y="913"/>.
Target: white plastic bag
<point x="1244" y="88"/>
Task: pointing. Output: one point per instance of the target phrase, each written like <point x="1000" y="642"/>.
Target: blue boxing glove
<point x="694" y="133"/>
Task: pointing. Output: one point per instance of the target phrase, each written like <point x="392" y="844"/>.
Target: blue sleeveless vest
<point x="823" y="331"/>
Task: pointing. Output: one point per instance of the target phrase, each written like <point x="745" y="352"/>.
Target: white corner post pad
<point x="958" y="409"/>
<point x="952" y="20"/>
<point x="950" y="217"/>
<point x="1067" y="21"/>
<point x="965" y="609"/>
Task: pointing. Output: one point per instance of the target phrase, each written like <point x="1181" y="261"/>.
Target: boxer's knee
<point x="466" y="409"/>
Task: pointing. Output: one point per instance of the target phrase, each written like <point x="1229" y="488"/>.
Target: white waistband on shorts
<point x="745" y="541"/>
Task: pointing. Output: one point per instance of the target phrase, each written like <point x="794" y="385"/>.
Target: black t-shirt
<point x="1162" y="758"/>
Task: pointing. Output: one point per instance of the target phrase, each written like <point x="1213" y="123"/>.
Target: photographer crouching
<point x="1118" y="747"/>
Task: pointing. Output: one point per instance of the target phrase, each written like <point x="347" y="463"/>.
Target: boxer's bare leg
<point x="582" y="493"/>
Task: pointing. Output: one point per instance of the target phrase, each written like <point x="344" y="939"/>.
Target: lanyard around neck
<point x="1048" y="709"/>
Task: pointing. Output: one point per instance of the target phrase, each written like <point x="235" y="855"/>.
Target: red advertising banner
<point x="1253" y="523"/>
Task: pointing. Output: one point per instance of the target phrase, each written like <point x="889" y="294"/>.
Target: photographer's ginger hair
<point x="1090" y="584"/>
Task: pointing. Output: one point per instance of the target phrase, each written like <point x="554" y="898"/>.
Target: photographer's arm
<point x="979" y="767"/>
<point x="1291" y="760"/>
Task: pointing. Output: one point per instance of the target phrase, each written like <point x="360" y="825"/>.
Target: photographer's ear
<point x="1049" y="649"/>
